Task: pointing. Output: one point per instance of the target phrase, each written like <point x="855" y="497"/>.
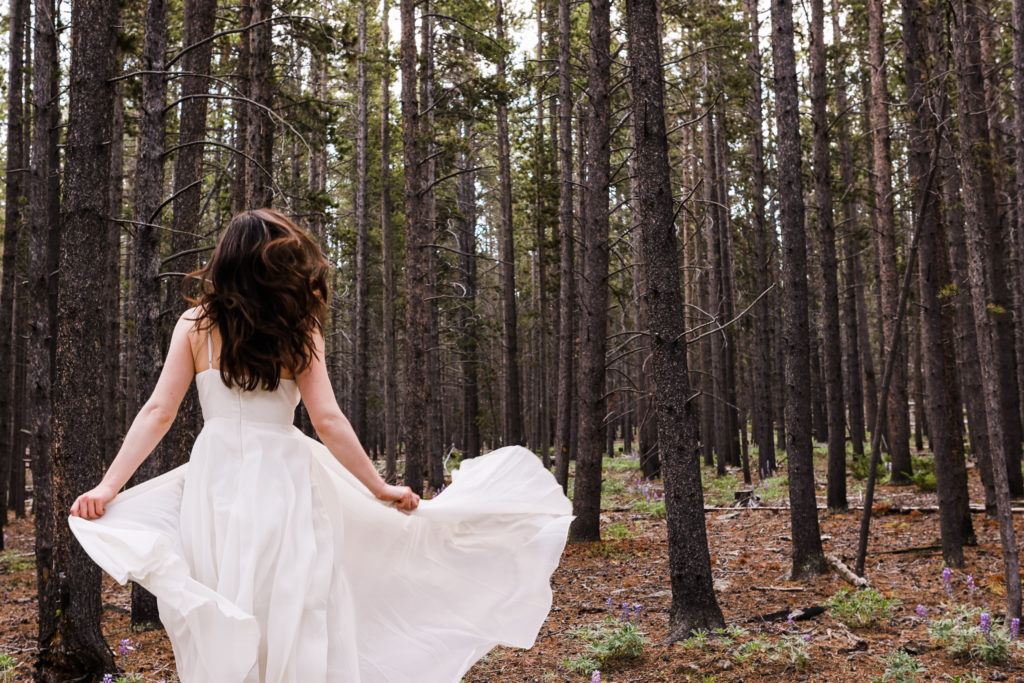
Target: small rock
<point x="997" y="676"/>
<point x="724" y="664"/>
<point x="660" y="594"/>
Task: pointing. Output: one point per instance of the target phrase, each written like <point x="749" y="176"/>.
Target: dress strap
<point x="209" y="349"/>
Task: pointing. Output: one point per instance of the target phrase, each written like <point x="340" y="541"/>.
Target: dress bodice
<point x="219" y="400"/>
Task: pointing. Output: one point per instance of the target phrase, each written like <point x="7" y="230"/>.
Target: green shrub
<point x="862" y="608"/>
<point x="900" y="667"/>
<point x="7" y="666"/>
<point x="651" y="508"/>
<point x="859" y="464"/>
<point x="971" y="633"/>
<point x="924" y="473"/>
<point x="612" y="640"/>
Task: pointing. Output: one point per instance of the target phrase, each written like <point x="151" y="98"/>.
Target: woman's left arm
<point x="149" y="426"/>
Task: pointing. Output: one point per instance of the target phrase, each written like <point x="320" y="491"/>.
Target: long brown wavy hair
<point x="265" y="289"/>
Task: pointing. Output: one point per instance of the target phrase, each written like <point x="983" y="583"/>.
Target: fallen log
<point x="845" y="571"/>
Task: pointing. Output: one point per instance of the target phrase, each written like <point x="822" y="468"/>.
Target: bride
<point x="275" y="557"/>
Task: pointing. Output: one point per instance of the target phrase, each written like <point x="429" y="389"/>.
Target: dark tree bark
<point x="14" y="193"/>
<point x="466" y="196"/>
<point x="388" y="267"/>
<point x="566" y="274"/>
<point x="851" y="361"/>
<point x="44" y="203"/>
<point x="896" y="413"/>
<point x="966" y="333"/>
<point x="436" y="447"/>
<point x="762" y="366"/>
<point x="808" y="557"/>
<point x="943" y="399"/>
<point x="830" y="339"/>
<point x="1018" y="125"/>
<point x="979" y="196"/>
<point x="76" y="646"/>
<point x="512" y="413"/>
<point x="360" y="365"/>
<point x="594" y="292"/>
<point x="240" y="111"/>
<point x="417" y="264"/>
<point x="259" y="128"/>
<point x="146" y="299"/>
<point x="693" y="597"/>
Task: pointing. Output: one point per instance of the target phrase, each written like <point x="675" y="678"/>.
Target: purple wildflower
<point x="125" y="646"/>
<point x="608" y="603"/>
<point x="807" y="638"/>
<point x="922" y="612"/>
<point x="108" y="678"/>
<point x="947" y="580"/>
<point x="625" y="611"/>
<point x="789" y="621"/>
<point x="970" y="585"/>
<point x="638" y="610"/>
<point x="1014" y="628"/>
<point x="595" y="677"/>
<point x="986" y="623"/>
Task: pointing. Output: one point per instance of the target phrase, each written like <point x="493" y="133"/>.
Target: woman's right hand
<point x="92" y="503"/>
<point x="403" y="497"/>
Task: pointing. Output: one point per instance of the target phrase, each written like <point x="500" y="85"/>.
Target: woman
<point x="276" y="558"/>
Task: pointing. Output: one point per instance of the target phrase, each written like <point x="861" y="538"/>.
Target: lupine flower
<point x="947" y="580"/>
<point x="922" y="612"/>
<point x="807" y="638"/>
<point x="608" y="603"/>
<point x="789" y="620"/>
<point x="108" y="678"/>
<point x="1014" y="628"/>
<point x="638" y="610"/>
<point x="970" y="585"/>
<point x="595" y="677"/>
<point x="625" y="611"/>
<point x="125" y="646"/>
<point x="986" y="623"/>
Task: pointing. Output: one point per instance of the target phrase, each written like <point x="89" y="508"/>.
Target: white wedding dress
<point x="271" y="563"/>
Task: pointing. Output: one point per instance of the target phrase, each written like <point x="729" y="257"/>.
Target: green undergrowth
<point x="860" y="608"/>
<point x="608" y="641"/>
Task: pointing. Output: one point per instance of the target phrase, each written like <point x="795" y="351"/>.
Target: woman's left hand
<point x="92" y="503"/>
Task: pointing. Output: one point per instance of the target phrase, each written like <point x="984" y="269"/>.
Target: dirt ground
<point x="750" y="551"/>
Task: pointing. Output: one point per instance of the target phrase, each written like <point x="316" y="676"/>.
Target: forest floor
<point x="750" y="550"/>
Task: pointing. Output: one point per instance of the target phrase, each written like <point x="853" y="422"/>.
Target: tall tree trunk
<point x="808" y="557"/>
<point x="259" y="128"/>
<point x="853" y="383"/>
<point x="360" y="369"/>
<point x="240" y="177"/>
<point x="146" y="299"/>
<point x="896" y="413"/>
<point x="44" y="210"/>
<point x="540" y="218"/>
<point x="1018" y="124"/>
<point x="943" y="404"/>
<point x="14" y="193"/>
<point x="417" y="274"/>
<point x="76" y="646"/>
<point x="762" y="364"/>
<point x="830" y="340"/>
<point x="466" y="198"/>
<point x="388" y="266"/>
<point x="566" y="274"/>
<point x="512" y="417"/>
<point x="979" y="198"/>
<point x="594" y="324"/>
<point x="693" y="596"/>
<point x="435" y="451"/>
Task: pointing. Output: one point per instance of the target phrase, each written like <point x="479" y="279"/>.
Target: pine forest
<point x="748" y="278"/>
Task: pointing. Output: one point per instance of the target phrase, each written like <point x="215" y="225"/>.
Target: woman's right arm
<point x="337" y="433"/>
<point x="148" y="427"/>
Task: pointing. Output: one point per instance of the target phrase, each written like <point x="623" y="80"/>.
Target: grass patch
<point x="17" y="562"/>
<point x="860" y="608"/>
